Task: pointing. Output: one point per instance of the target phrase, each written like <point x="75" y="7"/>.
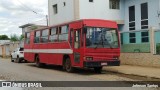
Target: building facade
<point x="138" y="22"/>
<point x="30" y="27"/>
<point x="7" y="48"/>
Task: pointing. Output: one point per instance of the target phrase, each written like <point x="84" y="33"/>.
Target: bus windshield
<point x="101" y="38"/>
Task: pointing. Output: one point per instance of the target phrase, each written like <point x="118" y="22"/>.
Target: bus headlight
<point x="116" y="58"/>
<point x="89" y="58"/>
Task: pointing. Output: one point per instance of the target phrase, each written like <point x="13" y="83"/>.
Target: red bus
<point x="88" y="43"/>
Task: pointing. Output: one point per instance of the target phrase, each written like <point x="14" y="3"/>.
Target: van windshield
<point x="21" y="49"/>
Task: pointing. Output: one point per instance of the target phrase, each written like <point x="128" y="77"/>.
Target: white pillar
<point x="152" y="40"/>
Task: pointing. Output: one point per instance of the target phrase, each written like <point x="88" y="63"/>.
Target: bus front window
<point x="101" y="38"/>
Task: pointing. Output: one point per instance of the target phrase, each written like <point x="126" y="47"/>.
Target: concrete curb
<point x="143" y="72"/>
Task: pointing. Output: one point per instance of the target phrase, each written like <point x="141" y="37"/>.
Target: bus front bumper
<point x="101" y="64"/>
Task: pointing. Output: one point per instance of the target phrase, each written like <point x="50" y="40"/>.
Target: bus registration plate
<point x="104" y="64"/>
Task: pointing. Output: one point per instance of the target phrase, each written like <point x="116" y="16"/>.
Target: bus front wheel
<point x="68" y="65"/>
<point x="98" y="69"/>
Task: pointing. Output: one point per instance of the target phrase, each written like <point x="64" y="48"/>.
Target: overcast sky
<point x="14" y="13"/>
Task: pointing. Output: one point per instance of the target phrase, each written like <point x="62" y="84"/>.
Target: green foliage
<point x="4" y="37"/>
<point x="14" y="37"/>
<point x="21" y="37"/>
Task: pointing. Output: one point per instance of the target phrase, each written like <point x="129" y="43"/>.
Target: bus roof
<point x="85" y="21"/>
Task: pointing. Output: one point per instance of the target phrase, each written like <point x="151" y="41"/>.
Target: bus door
<point x="76" y="39"/>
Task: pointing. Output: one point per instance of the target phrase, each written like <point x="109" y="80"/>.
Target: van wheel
<point x="98" y="69"/>
<point x="12" y="59"/>
<point x="18" y="60"/>
<point x="68" y="65"/>
<point x="38" y="64"/>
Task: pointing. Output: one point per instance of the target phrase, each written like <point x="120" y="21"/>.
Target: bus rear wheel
<point x="38" y="64"/>
<point x="68" y="65"/>
<point x="98" y="69"/>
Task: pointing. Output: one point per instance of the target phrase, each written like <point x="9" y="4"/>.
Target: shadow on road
<point x="91" y="72"/>
<point x="76" y="70"/>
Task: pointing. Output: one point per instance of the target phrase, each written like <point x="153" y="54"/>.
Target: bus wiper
<point x="101" y="41"/>
<point x="97" y="44"/>
<point x="109" y="44"/>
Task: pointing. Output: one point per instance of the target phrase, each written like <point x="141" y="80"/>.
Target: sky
<point x="14" y="13"/>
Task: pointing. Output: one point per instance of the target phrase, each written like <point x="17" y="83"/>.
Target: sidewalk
<point x="136" y="70"/>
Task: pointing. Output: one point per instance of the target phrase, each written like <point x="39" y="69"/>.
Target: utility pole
<point x="47" y="19"/>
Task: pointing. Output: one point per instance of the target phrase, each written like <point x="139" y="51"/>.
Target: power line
<point x="25" y="6"/>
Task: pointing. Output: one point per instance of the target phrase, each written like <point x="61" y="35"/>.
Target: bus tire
<point x="98" y="69"/>
<point x="38" y="64"/>
<point x="68" y="65"/>
<point x="25" y="61"/>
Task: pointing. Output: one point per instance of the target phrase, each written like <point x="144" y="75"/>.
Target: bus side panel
<point x="29" y="56"/>
<point x="55" y="59"/>
<point x="32" y="57"/>
<point x="52" y="58"/>
<point x="60" y="59"/>
<point x="59" y="50"/>
<point x="43" y="57"/>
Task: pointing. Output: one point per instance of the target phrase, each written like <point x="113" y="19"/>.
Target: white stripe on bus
<point x="57" y="51"/>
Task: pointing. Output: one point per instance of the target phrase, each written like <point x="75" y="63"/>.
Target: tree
<point x="4" y="37"/>
<point x="21" y="37"/>
<point x="14" y="37"/>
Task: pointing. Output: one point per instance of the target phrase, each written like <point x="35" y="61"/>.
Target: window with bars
<point x="132" y="37"/>
<point x="114" y="4"/>
<point x="144" y="37"/>
<point x="144" y="16"/>
<point x="132" y="18"/>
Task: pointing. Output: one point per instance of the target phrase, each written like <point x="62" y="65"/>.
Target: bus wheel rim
<point x="68" y="66"/>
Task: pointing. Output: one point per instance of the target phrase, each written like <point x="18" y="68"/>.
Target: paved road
<point x="29" y="72"/>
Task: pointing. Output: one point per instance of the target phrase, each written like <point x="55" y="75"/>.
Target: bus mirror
<point x="85" y="30"/>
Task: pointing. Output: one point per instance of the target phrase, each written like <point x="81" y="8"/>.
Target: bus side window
<point x="77" y="39"/>
<point x="63" y="35"/>
<point x="27" y="38"/>
<point x="53" y="35"/>
<point x="71" y="37"/>
<point x="44" y="38"/>
<point x="37" y="37"/>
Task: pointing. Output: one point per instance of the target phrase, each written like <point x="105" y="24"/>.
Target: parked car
<point x="17" y="55"/>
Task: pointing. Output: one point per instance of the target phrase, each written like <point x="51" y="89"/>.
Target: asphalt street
<point x="29" y="72"/>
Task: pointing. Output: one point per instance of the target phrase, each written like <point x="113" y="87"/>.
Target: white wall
<point x="99" y="9"/>
<point x="65" y="13"/>
<point x="153" y="7"/>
